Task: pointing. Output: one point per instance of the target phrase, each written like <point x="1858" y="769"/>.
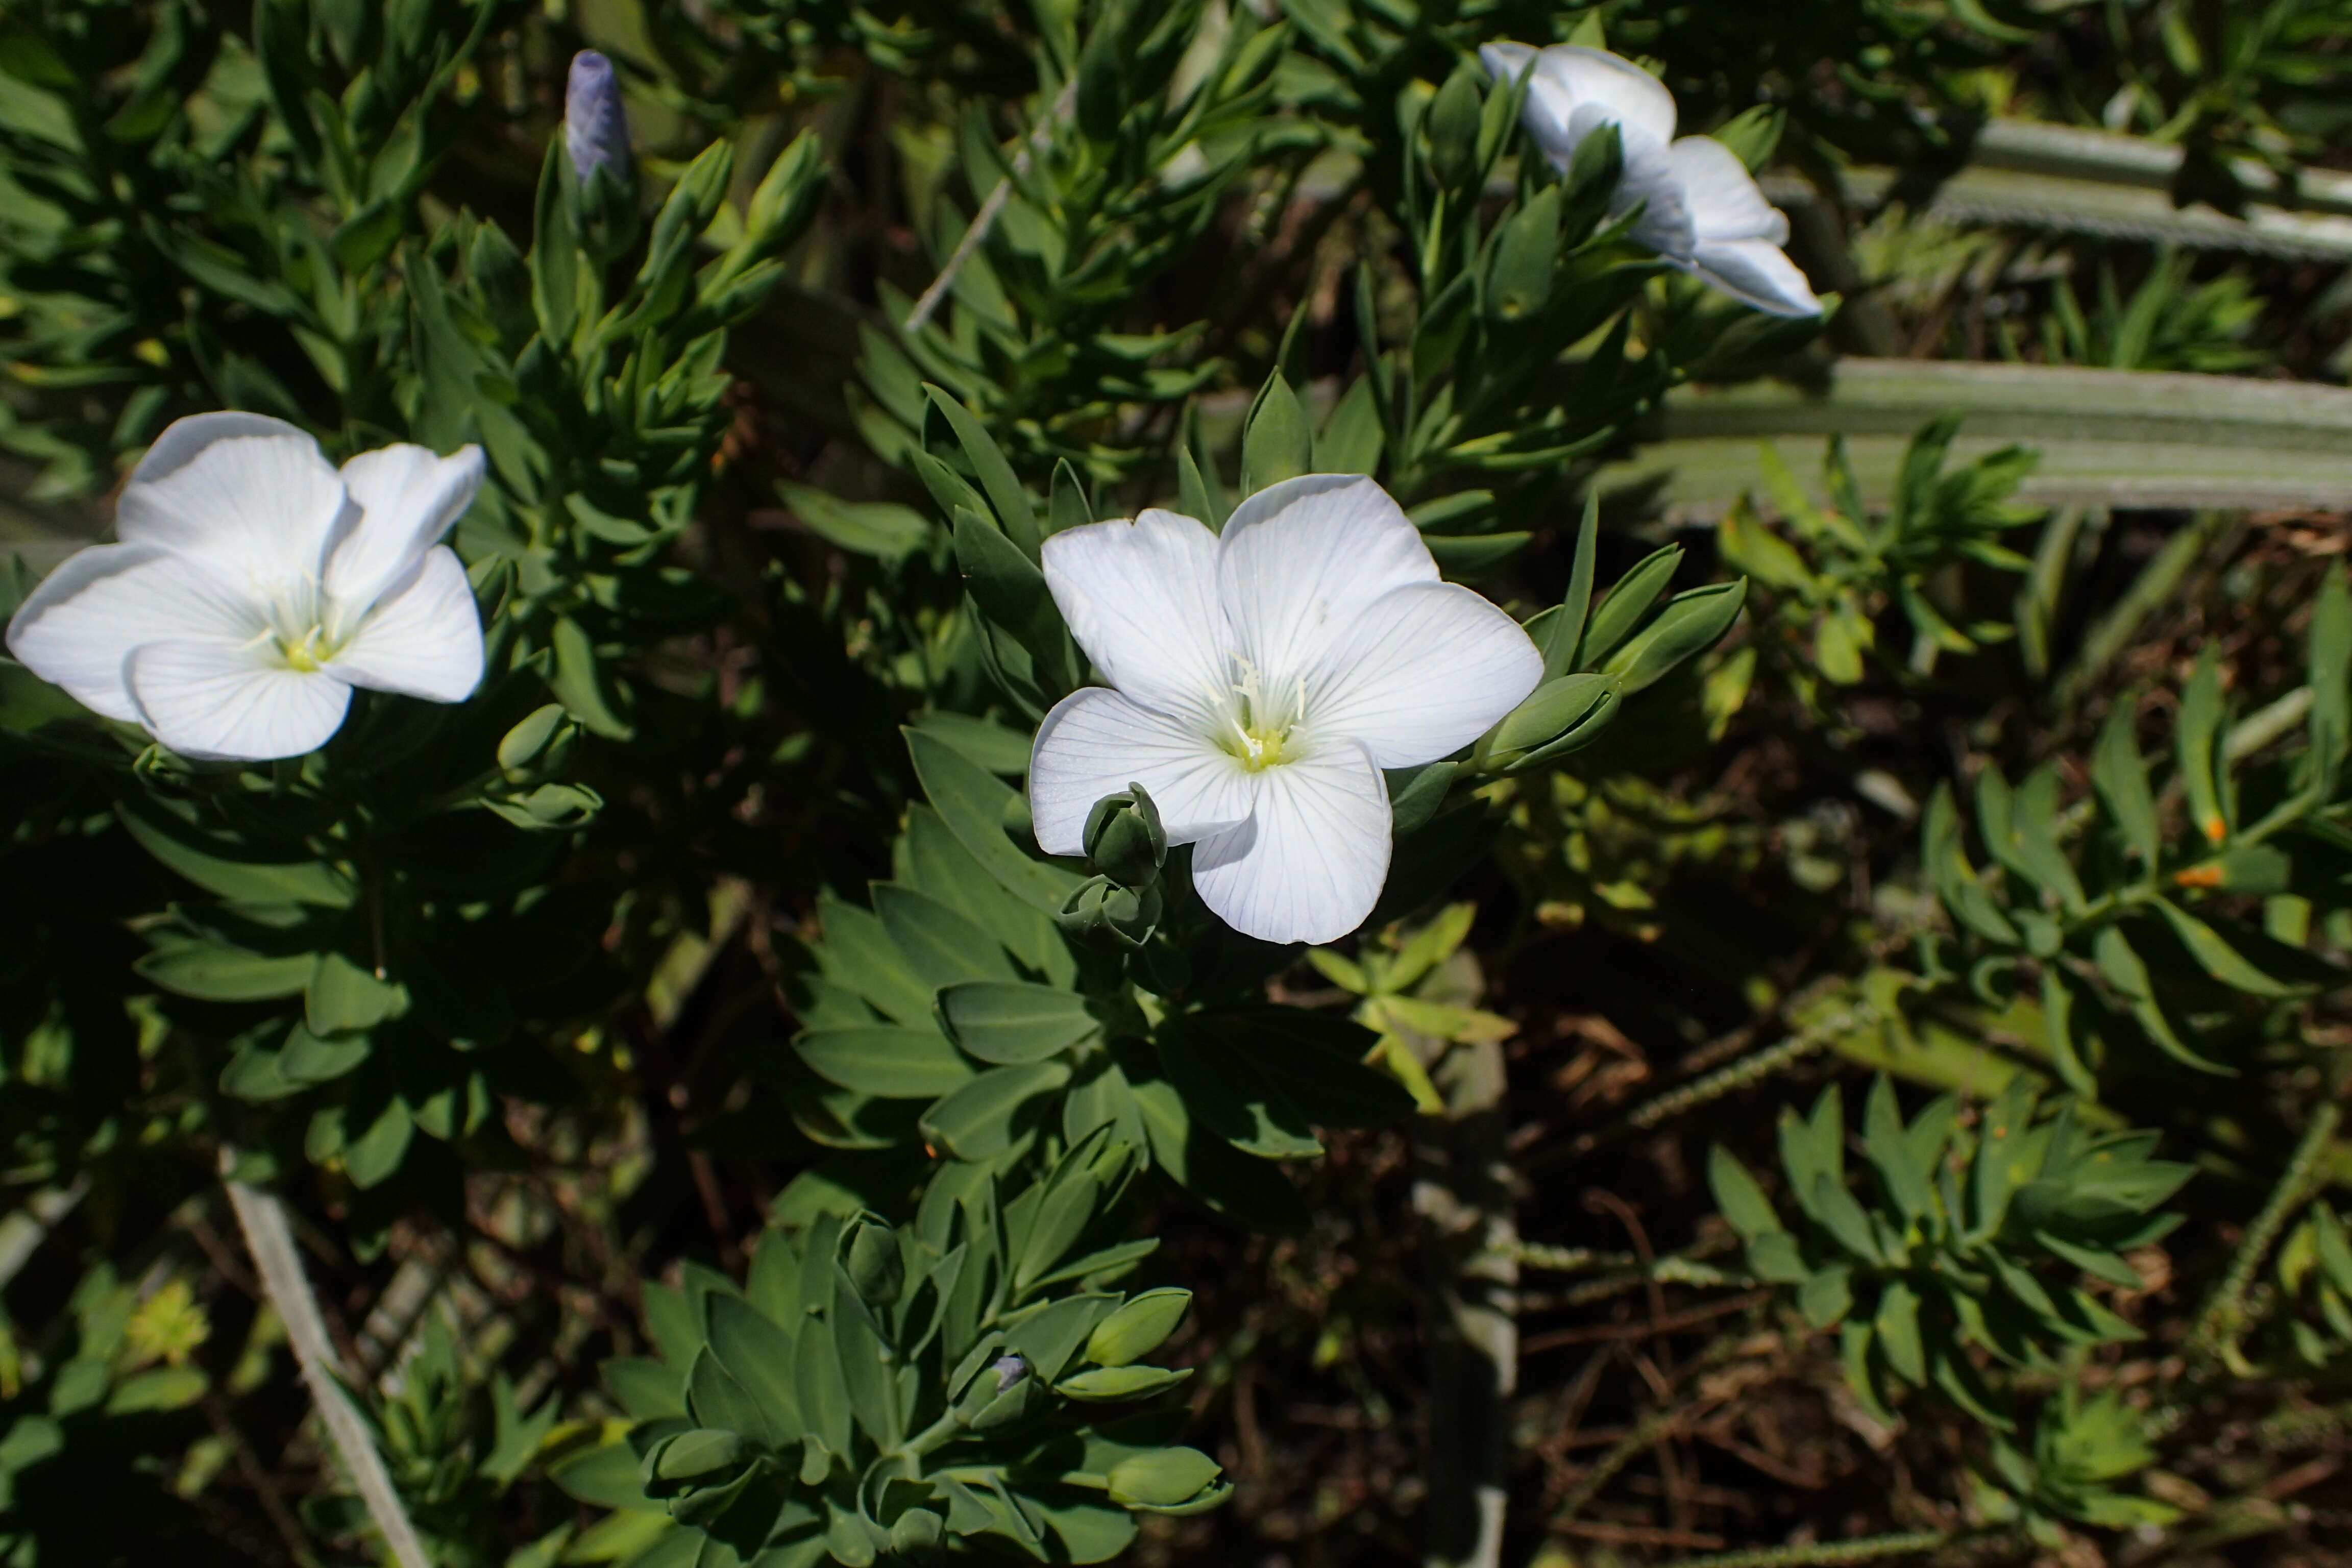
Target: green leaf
<point x="1227" y="1095"/>
<point x="940" y="945"/>
<point x="759" y="1355"/>
<point x="2330" y="660"/>
<point x="987" y="459"/>
<point x="1896" y="1330"/>
<point x="884" y="530"/>
<point x="230" y="870"/>
<point x="895" y="1063"/>
<point x="1527" y="251"/>
<point x="1138" y="1327"/>
<point x="1351" y="437"/>
<point x="1621" y="610"/>
<point x="1109" y="1384"/>
<point x="1549" y="713"/>
<point x="2121" y="778"/>
<point x="1739" y="1196"/>
<point x="2197" y="741"/>
<point x="1010" y="1024"/>
<point x="1566" y="627"/>
<point x="576" y="685"/>
<point x="1826" y="1296"/>
<point x="1689" y="624"/>
<point x="974" y="805"/>
<point x="343" y="997"/>
<point x="976" y="1121"/>
<point x="1276" y="441"/>
<point x="2218" y="958"/>
<point x="1885" y="1142"/>
<point x="215" y="971"/>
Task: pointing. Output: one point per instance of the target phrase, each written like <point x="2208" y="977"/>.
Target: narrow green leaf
<point x="2198" y="742"/>
<point x="987" y="459"/>
<point x="1620" y="610"/>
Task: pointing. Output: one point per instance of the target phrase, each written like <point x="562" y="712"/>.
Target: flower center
<point x="306" y="627"/>
<point x="1257" y="730"/>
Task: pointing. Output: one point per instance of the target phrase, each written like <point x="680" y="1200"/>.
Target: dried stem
<point x="985" y="218"/>
<point x="270" y="1239"/>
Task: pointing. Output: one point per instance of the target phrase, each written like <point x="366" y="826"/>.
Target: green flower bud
<point x="1124" y="839"/>
<point x="1163" y="1478"/>
<point x="1452" y="124"/>
<point x="1101" y="911"/>
<point x="1138" y="1328"/>
<point x="875" y="1268"/>
<point x="693" y="1456"/>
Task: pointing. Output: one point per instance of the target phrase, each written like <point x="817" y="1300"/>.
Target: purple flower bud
<point x="595" y="131"/>
<point x="1009" y="1370"/>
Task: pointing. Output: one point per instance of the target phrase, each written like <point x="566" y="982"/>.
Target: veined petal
<point x="1638" y="103"/>
<point x="256" y="505"/>
<point x="1301" y="561"/>
<point x="1725" y="202"/>
<point x="1096" y="743"/>
<point x="1310" y="863"/>
<point x="423" y="638"/>
<point x="183" y="438"/>
<point x="1757" y="273"/>
<point x="1428" y="669"/>
<point x="78" y="629"/>
<point x="1141" y="599"/>
<point x="216" y="702"/>
<point x="1667" y="224"/>
<point x="408" y="499"/>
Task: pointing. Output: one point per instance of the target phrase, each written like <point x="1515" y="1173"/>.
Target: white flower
<point x="1702" y="209"/>
<point x="1263" y="678"/>
<point x="254" y="586"/>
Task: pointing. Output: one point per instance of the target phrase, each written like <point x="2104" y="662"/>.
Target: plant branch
<point x="270" y="1239"/>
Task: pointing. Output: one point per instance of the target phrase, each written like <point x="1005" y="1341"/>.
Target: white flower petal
<point x="79" y="626"/>
<point x="213" y="701"/>
<point x="409" y="497"/>
<point x="1301" y="561"/>
<point x="1096" y="743"/>
<point x="184" y="439"/>
<point x="1757" y="273"/>
<point x="1667" y="224"/>
<point x="1726" y="204"/>
<point x="1141" y="598"/>
<point x="1638" y="103"/>
<point x="1310" y="863"/>
<point x="423" y="639"/>
<point x="257" y="507"/>
<point x="1428" y="669"/>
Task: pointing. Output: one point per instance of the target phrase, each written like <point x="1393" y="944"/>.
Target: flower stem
<point x="2221" y="1322"/>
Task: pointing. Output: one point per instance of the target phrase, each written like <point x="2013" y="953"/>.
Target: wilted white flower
<point x="1701" y="207"/>
<point x="1263" y="678"/>
<point x="595" y="130"/>
<point x="254" y="585"/>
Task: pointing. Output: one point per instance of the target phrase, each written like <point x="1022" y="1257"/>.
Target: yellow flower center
<point x="1256" y="730"/>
